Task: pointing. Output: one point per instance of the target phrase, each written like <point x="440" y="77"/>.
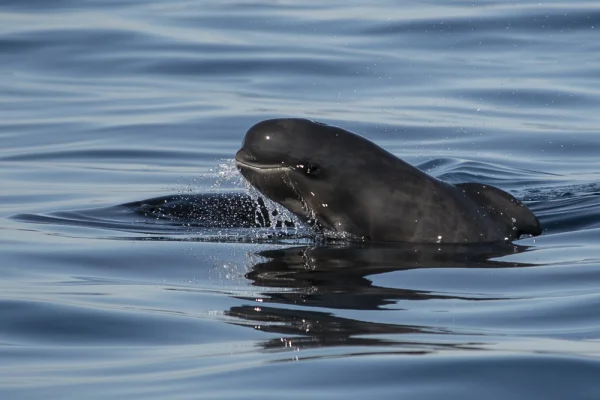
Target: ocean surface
<point x="103" y="103"/>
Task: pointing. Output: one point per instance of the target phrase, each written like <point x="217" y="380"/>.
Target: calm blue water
<point x="108" y="102"/>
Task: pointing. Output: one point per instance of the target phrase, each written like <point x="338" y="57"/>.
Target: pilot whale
<point x="344" y="183"/>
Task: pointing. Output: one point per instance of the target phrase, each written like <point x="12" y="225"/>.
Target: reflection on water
<point x="338" y="277"/>
<point x="304" y="329"/>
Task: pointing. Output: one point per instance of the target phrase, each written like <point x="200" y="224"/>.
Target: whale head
<point x="319" y="172"/>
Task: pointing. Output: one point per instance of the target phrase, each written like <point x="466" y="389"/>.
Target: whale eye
<point x="309" y="169"/>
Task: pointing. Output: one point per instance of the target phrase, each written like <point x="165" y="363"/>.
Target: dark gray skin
<point x="345" y="183"/>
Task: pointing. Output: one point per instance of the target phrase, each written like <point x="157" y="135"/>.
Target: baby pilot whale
<point x="345" y="183"/>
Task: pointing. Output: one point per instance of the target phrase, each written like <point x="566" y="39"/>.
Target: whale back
<point x="504" y="207"/>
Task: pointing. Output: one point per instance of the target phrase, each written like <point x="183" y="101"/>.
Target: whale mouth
<point x="245" y="164"/>
<point x="246" y="160"/>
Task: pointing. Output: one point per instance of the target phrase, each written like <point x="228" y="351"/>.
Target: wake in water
<point x="214" y="214"/>
<point x="243" y="215"/>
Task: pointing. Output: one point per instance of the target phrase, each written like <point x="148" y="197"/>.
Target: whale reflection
<point x="298" y="281"/>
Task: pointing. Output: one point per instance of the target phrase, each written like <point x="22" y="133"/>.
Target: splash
<point x="279" y="216"/>
<point x="272" y="221"/>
